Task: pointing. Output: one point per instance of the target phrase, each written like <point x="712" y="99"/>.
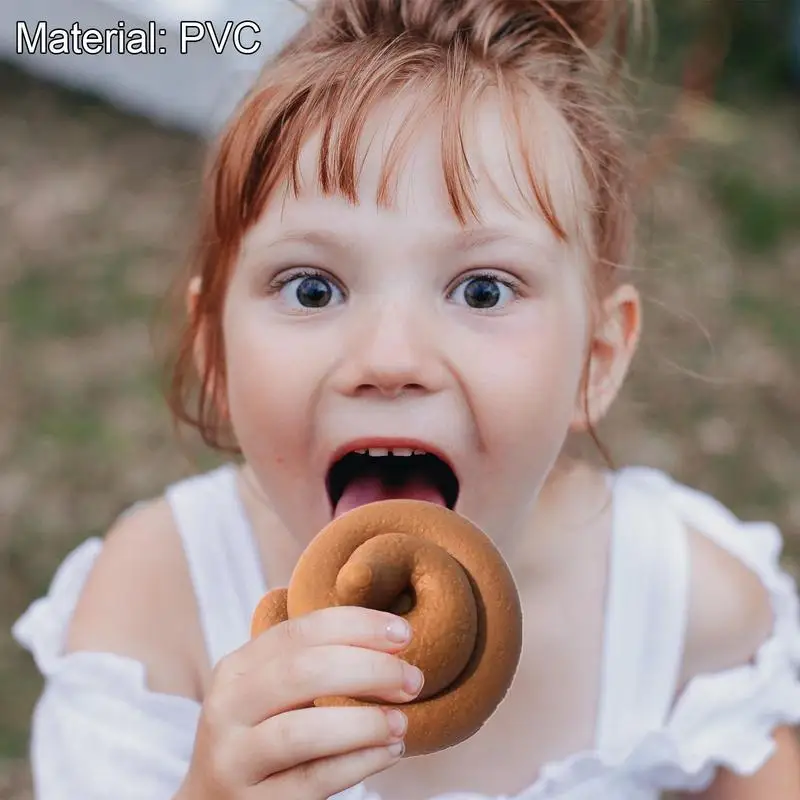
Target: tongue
<point x="371" y="488"/>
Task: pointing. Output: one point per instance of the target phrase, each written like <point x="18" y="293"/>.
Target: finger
<point x="360" y="627"/>
<point x="319" y="780"/>
<point x="310" y="734"/>
<point x="302" y="676"/>
<point x="242" y="684"/>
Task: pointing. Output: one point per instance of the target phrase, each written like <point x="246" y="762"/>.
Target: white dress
<point x="99" y="733"/>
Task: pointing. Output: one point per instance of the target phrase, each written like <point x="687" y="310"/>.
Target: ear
<point x="610" y="351"/>
<point x="192" y="297"/>
<point x="192" y="293"/>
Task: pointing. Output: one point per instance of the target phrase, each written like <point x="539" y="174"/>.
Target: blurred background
<point x="96" y="207"/>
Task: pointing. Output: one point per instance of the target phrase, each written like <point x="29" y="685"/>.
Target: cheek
<point x="270" y="388"/>
<point x="527" y="374"/>
<point x="528" y="404"/>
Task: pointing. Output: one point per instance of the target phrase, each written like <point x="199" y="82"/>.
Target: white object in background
<point x="194" y="91"/>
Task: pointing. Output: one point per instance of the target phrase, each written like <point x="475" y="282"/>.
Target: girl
<point x="414" y="242"/>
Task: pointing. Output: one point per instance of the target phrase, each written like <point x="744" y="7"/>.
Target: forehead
<point x="514" y="162"/>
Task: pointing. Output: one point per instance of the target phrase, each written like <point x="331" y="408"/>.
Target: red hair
<point x="350" y="55"/>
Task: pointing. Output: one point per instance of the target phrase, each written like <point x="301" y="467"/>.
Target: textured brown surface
<point x="466" y="615"/>
<point x="270" y="611"/>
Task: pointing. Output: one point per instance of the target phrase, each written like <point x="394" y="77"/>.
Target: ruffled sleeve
<point x="728" y="718"/>
<point x="725" y="719"/>
<point x="97" y="731"/>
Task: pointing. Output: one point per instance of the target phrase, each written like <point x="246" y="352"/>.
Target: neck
<point x="279" y="549"/>
<point x="573" y="500"/>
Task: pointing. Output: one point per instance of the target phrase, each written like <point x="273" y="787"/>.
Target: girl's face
<point x="350" y="327"/>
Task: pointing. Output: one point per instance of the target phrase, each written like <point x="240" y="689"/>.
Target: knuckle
<point x="295" y="630"/>
<point x="371" y="623"/>
<point x="288" y="738"/>
<point x="226" y="671"/>
<point x="376" y="670"/>
<point x="385" y="669"/>
<point x="366" y="620"/>
<point x="301" y="670"/>
<point x="369" y="725"/>
<point x="380" y="724"/>
<point x="398" y="670"/>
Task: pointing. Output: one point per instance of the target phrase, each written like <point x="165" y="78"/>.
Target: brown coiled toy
<point x="450" y="583"/>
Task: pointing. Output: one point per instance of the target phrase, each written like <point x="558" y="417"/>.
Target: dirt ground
<point x="95" y="211"/>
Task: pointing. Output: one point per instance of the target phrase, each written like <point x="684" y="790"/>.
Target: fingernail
<point x="397" y="749"/>
<point x="398" y="630"/>
<point x="398" y="722"/>
<point x="413" y="680"/>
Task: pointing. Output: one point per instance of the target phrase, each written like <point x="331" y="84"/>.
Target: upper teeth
<point x="390" y="451"/>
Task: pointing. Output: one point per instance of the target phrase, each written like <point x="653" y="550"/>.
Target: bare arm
<point x="138" y="602"/>
<point x="779" y="779"/>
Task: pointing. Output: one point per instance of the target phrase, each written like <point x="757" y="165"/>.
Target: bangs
<point x="331" y="110"/>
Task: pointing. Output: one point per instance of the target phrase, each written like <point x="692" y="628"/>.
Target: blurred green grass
<point x="95" y="213"/>
<point x="759" y="218"/>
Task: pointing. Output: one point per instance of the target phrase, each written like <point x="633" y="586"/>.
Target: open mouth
<point x="382" y="473"/>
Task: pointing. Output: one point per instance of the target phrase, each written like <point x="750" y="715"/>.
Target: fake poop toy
<point x="444" y="575"/>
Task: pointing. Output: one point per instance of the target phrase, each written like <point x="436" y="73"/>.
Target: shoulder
<point x="730" y="609"/>
<point x="138" y="602"/>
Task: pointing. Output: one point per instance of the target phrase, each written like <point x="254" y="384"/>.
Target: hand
<point x="260" y="737"/>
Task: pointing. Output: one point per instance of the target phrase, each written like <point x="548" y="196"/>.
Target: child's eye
<point x="484" y="292"/>
<point x="308" y="290"/>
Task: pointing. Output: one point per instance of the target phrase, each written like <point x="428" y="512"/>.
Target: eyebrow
<point x="475" y="238"/>
<point x="463" y="241"/>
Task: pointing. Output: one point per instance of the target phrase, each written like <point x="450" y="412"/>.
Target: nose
<point x="392" y="354"/>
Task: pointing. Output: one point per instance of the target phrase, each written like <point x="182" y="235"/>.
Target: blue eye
<point x="309" y="290"/>
<point x="484" y="292"/>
